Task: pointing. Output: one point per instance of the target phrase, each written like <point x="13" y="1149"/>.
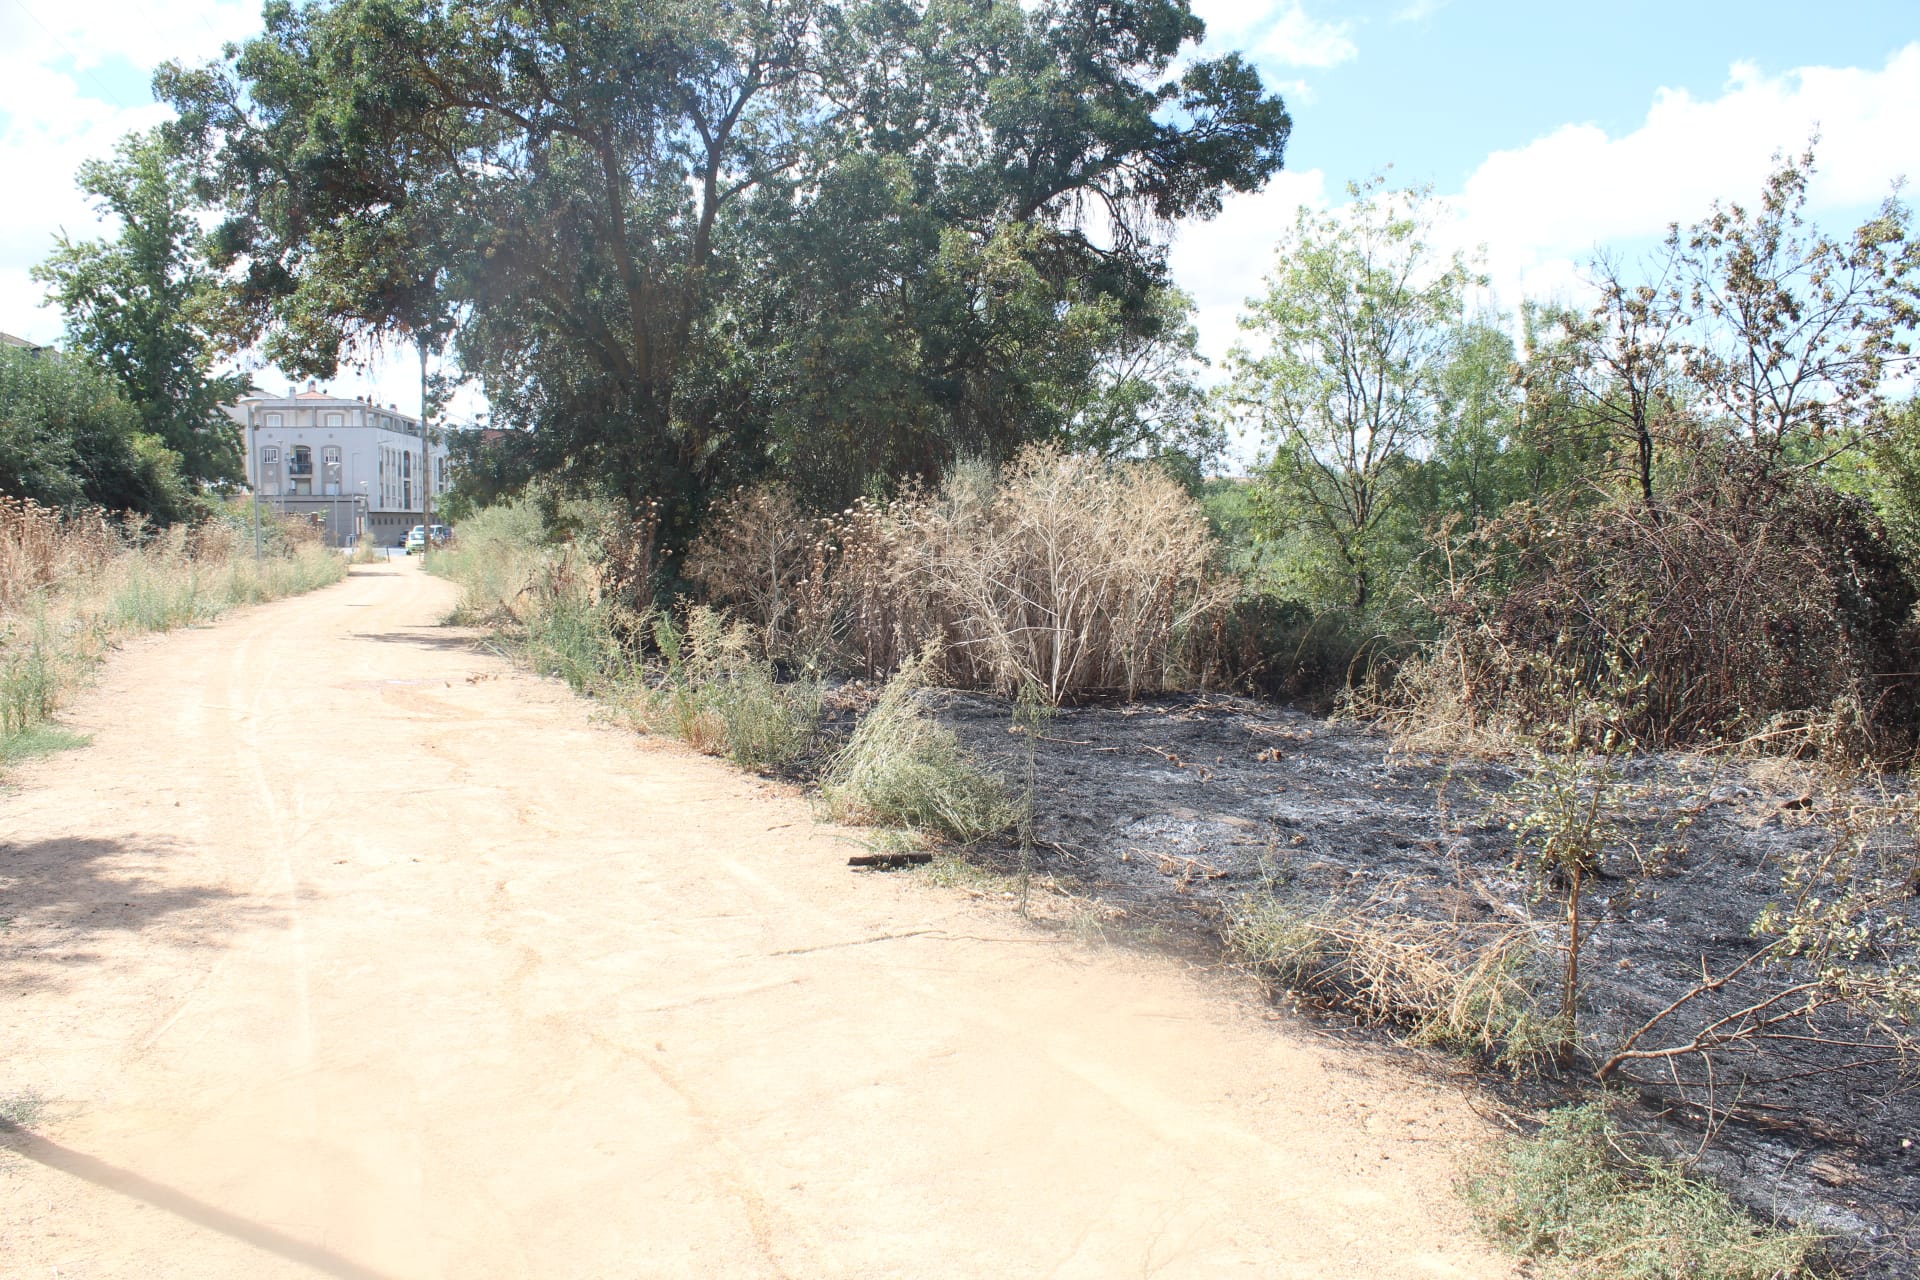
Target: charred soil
<point x="1165" y="813"/>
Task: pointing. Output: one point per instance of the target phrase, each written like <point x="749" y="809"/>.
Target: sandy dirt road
<point x="348" y="950"/>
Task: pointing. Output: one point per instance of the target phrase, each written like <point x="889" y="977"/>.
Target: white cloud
<point x="1419" y="10"/>
<point x="64" y="104"/>
<point x="1542" y="209"/>
<point x="1284" y="35"/>
<point x="1545" y="206"/>
<point x="1222" y="263"/>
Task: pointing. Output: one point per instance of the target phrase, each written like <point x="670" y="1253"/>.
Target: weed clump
<point x="1469" y="988"/>
<point x="719" y="700"/>
<point x="1579" y="1202"/>
<point x="903" y="769"/>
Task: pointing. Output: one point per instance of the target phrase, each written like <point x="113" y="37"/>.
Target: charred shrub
<point x="1753" y="606"/>
<point x="1283" y="648"/>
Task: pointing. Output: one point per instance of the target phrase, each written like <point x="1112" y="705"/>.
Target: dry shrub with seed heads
<point x="1063" y="572"/>
<point x="40" y="547"/>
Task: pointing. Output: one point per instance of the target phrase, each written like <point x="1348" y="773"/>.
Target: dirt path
<point x="347" y="950"/>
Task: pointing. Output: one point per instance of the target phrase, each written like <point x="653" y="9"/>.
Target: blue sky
<point x="1434" y="88"/>
<point x="1550" y="131"/>
<point x="1546" y="129"/>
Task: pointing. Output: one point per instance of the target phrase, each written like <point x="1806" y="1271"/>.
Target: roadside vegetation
<point x="1584" y="1202"/>
<point x="812" y="417"/>
<point x="74" y="584"/>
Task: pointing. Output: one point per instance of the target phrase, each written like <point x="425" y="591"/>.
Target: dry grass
<point x="1064" y="573"/>
<point x="71" y="585"/>
<point x="1467" y="987"/>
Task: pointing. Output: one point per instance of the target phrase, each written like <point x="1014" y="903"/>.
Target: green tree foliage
<point x="1800" y="337"/>
<point x="1608" y="380"/>
<point x="68" y="438"/>
<point x="1891" y="477"/>
<point x="489" y="467"/>
<point x="687" y="242"/>
<point x="1356" y="333"/>
<point x="145" y="305"/>
<point x="1480" y="460"/>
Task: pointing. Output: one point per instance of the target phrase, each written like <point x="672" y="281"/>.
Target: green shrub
<point x="1580" y="1203"/>
<point x="903" y="769"/>
<point x="768" y="723"/>
<point x="573" y="637"/>
<point x="497" y="557"/>
<point x="29" y="687"/>
<point x="719" y="700"/>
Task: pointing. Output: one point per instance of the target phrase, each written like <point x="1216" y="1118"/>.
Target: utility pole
<point x="253" y="457"/>
<point x="426" y="462"/>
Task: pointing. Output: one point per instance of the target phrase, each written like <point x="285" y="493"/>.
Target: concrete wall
<point x="343" y="518"/>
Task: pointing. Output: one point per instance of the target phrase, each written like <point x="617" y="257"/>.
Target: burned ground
<point x="1165" y="813"/>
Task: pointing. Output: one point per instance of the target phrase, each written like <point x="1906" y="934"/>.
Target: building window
<point x="275" y="420"/>
<point x="330" y="470"/>
<point x="336" y="419"/>
<point x="300" y="470"/>
<point x="270" y="470"/>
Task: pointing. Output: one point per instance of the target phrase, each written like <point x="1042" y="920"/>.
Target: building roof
<point x="313" y="397"/>
<point x="8" y="340"/>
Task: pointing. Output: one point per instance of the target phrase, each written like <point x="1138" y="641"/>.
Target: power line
<point x="79" y="66"/>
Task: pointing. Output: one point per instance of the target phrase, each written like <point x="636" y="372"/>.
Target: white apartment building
<point x="354" y="464"/>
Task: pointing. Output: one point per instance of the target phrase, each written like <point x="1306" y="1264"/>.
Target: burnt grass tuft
<point x="1171" y="810"/>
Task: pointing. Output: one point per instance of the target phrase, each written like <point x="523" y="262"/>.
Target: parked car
<point x="417" y="538"/>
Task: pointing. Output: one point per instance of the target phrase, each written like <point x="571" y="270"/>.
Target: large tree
<point x="146" y="305"/>
<point x="656" y="228"/>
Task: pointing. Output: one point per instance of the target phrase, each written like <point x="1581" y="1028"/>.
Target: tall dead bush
<point x="40" y="547"/>
<point x="1067" y="573"/>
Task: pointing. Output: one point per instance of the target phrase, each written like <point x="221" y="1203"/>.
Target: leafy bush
<point x="69" y="439"/>
<point x="496" y="558"/>
<point x="1579" y="1202"/>
<point x="903" y="769"/>
<point x="721" y="701"/>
